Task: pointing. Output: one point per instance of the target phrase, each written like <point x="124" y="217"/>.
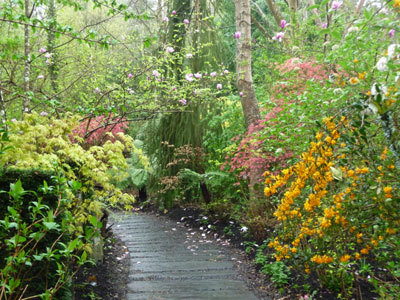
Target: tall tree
<point x="243" y="65"/>
<point x="245" y="84"/>
<point x="51" y="45"/>
<point x="27" y="60"/>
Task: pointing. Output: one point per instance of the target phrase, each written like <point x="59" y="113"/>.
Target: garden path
<point x="171" y="261"/>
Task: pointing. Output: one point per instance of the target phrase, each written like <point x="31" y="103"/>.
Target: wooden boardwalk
<point x="169" y="261"/>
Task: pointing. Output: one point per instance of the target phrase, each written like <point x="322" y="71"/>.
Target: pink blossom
<point x="198" y="75"/>
<point x="13" y="120"/>
<point x="391" y="32"/>
<point x="219" y="86"/>
<point x="43" y="113"/>
<point x="155" y="73"/>
<point x="324" y="25"/>
<point x="226" y="72"/>
<point x="237" y="35"/>
<point x="170" y="50"/>
<point x="241" y="94"/>
<point x="284" y="24"/>
<point x="336" y="5"/>
<point x="130" y="75"/>
<point x="174" y="12"/>
<point x="186" y="21"/>
<point x="166" y="19"/>
<point x="279" y="36"/>
<point x="48" y="55"/>
<point x="189" y="55"/>
<point x="189" y="77"/>
<point x="97" y="90"/>
<point x="48" y="61"/>
<point x="173" y="88"/>
<point x="183" y="101"/>
<point x="42" y="50"/>
<point x="213" y="74"/>
<point x="40" y="76"/>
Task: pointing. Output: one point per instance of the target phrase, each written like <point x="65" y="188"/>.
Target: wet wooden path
<point x="170" y="261"/>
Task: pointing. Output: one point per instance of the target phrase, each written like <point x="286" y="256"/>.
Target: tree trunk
<point x="51" y="43"/>
<point x="243" y="66"/>
<point x="160" y="11"/>
<point x="245" y="80"/>
<point x="276" y="13"/>
<point x="27" y="62"/>
<point x="3" y="110"/>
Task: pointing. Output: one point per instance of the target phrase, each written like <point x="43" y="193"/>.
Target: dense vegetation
<point x="281" y="117"/>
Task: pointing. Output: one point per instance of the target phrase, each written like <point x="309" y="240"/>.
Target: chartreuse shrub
<point x="57" y="191"/>
<point x="337" y="209"/>
<point x="43" y="143"/>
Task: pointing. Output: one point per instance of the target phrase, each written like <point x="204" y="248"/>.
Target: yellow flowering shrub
<point x="45" y="143"/>
<point x="335" y="207"/>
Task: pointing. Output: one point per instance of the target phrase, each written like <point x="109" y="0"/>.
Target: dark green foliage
<point x="37" y="199"/>
<point x="32" y="179"/>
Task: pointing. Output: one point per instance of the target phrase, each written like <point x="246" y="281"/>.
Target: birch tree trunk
<point x="27" y="62"/>
<point x="245" y="81"/>
<point x="243" y="65"/>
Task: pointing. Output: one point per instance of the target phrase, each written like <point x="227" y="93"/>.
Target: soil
<point x="107" y="281"/>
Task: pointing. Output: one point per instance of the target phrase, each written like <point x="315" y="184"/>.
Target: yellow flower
<point x="324" y="259"/>
<point x="391" y="230"/>
<point x="319" y="135"/>
<point x="384" y="153"/>
<point x="356" y="60"/>
<point x="361" y="76"/>
<point x="364" y="251"/>
<point x="396" y="3"/>
<point x="345" y="258"/>
<point x="354" y="80"/>
<point x="387" y="189"/>
<point x="357" y="255"/>
<point x="362" y="170"/>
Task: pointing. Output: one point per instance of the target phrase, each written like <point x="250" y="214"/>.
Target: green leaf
<point x="93" y="221"/>
<point x="336" y="34"/>
<point x="39" y="257"/>
<point x="337" y="173"/>
<point x="313" y="6"/>
<point x="16" y="190"/>
<point x="72" y="245"/>
<point x="50" y="225"/>
<point x="139" y="177"/>
<point x="323" y="3"/>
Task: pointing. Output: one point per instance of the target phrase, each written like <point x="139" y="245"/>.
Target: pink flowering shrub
<point x="262" y="148"/>
<point x="98" y="130"/>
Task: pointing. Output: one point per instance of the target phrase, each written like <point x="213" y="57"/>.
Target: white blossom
<point x="392" y="50"/>
<point x="382" y="64"/>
